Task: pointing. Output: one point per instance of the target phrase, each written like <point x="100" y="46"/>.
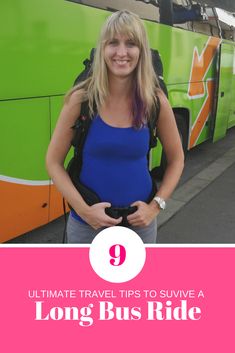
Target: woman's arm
<point x="169" y="136"/>
<point x="57" y="151"/>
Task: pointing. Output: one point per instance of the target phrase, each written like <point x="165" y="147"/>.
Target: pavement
<point x="200" y="211"/>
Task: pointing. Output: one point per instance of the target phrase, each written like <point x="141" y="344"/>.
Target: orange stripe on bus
<point x="203" y="114"/>
<point x="200" y="66"/>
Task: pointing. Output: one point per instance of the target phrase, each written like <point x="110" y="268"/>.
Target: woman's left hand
<point x="144" y="215"/>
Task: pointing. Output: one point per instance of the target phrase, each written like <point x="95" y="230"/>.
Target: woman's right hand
<point x="96" y="217"/>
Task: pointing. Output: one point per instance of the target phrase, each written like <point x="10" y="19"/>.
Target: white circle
<point x="131" y="245"/>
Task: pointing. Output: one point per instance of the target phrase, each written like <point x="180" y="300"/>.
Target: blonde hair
<point x="96" y="87"/>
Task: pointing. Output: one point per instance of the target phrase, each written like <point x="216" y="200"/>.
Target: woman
<point x="123" y="87"/>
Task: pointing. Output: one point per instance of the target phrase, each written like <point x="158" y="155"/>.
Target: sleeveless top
<point x="115" y="164"/>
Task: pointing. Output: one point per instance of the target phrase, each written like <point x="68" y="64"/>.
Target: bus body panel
<point x="24" y="136"/>
<point x="45" y="45"/>
<point x="24" y="183"/>
<point x="56" y="200"/>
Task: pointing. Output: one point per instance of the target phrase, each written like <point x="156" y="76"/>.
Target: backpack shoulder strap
<point x="152" y="124"/>
<point x="81" y="127"/>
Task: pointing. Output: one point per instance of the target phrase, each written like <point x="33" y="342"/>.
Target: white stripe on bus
<point x="24" y="181"/>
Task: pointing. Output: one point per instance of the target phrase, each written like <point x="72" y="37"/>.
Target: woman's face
<point x="121" y="55"/>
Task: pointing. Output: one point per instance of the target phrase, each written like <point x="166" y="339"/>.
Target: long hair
<point x="145" y="83"/>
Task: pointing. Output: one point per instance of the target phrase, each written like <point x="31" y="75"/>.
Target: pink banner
<point x="52" y="300"/>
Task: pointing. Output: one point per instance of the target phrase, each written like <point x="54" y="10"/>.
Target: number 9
<point x="118" y="254"/>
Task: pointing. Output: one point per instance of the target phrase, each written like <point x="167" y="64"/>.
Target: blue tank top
<point x="115" y="163"/>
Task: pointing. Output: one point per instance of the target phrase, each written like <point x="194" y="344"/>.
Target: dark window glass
<point x="146" y="9"/>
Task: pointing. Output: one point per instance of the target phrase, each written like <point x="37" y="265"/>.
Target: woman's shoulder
<point x="161" y="97"/>
<point x="72" y="102"/>
<point x="75" y="97"/>
<point x="71" y="108"/>
<point x="162" y="103"/>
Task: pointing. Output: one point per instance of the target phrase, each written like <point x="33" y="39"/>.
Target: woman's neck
<point x="120" y="88"/>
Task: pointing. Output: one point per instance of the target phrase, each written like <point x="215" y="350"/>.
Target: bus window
<point x="227" y="23"/>
<point x="202" y="27"/>
<point x="221" y="22"/>
<point x="183" y="3"/>
<point x="192" y="15"/>
<point x="213" y="21"/>
<point x="186" y="13"/>
<point x="148" y="10"/>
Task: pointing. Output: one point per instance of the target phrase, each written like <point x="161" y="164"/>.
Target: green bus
<point x="43" y="46"/>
